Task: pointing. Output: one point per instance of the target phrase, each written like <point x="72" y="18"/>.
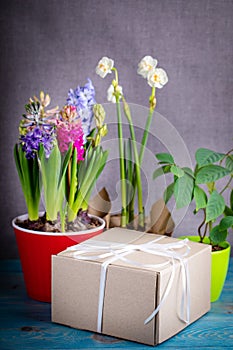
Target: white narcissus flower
<point x="147" y="64"/>
<point x="111" y="93"/>
<point x="104" y="67"/>
<point x="157" y="78"/>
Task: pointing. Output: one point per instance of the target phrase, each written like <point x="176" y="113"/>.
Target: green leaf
<point x="168" y="192"/>
<point x="205" y="156"/>
<point x="94" y="164"/>
<point x="183" y="190"/>
<point x="73" y="182"/>
<point x="200" y="197"/>
<point x="228" y="211"/>
<point x="129" y="160"/>
<point x="161" y="171"/>
<point x="188" y="171"/>
<point x="50" y="175"/>
<point x="177" y="171"/>
<point x="229" y="162"/>
<point x="217" y="236"/>
<point x="165" y="158"/>
<point x="226" y="222"/>
<point x="28" y="172"/>
<point x="65" y="161"/>
<point x="215" y="206"/>
<point x="211" y="173"/>
<point x="231" y="199"/>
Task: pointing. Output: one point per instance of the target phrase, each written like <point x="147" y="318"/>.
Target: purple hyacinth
<point x="34" y="138"/>
<point x="83" y="98"/>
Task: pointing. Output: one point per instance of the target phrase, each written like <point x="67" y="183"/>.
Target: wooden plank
<point x="26" y="324"/>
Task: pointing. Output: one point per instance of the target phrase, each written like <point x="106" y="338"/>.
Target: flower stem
<point x="148" y="124"/>
<point x="152" y="102"/>
<point x="227" y="185"/>
<point x="122" y="166"/>
<point x="116" y="74"/>
<point x="137" y="167"/>
<point x="202" y="235"/>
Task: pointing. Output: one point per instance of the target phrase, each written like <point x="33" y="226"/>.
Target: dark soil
<point x="82" y="222"/>
<point x="216" y="248"/>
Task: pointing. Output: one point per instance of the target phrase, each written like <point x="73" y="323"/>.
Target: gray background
<point x="55" y="45"/>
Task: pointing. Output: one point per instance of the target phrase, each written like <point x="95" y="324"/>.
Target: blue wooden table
<point x="26" y="324"/>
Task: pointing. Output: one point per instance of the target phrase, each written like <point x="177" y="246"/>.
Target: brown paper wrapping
<point x="159" y="221"/>
<point x="132" y="291"/>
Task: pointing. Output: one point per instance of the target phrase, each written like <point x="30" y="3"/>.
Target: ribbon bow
<point x="118" y="251"/>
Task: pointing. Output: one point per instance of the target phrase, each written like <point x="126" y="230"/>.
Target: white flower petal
<point x="104" y="67"/>
<point x="157" y="78"/>
<point x="147" y="64"/>
<point x="111" y="93"/>
<point x="119" y="89"/>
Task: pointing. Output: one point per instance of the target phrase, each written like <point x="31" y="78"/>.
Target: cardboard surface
<point x="132" y="291"/>
<point x="159" y="220"/>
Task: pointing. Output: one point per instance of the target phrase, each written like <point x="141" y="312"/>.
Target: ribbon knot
<point x="118" y="251"/>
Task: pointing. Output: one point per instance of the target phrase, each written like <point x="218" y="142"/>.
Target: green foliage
<point x="205" y="156"/>
<point x="200" y="197"/>
<point x="53" y="170"/>
<point x="215" y="206"/>
<point x="226" y="223"/>
<point x="218" y="213"/>
<point x="229" y="163"/>
<point x="129" y="169"/>
<point x="168" y="192"/>
<point x="228" y="211"/>
<point x="188" y="171"/>
<point x="217" y="235"/>
<point x="28" y="171"/>
<point x="87" y="173"/>
<point x="183" y="190"/>
<point x="211" y="173"/>
<point x="165" y="158"/>
<point x="161" y="171"/>
<point x="177" y="171"/>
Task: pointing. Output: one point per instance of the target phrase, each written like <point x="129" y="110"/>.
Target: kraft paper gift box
<point x="131" y="285"/>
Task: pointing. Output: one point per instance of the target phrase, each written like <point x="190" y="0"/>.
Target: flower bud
<point x="104" y="130"/>
<point x="152" y="102"/>
<point x="99" y="115"/>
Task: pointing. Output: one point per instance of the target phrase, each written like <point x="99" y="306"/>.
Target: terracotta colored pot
<point x="35" y="251"/>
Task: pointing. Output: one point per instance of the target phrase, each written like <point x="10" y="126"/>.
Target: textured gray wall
<point x="55" y="44"/>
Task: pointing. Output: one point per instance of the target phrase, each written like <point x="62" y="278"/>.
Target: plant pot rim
<point x="77" y="233"/>
<point x="228" y="245"/>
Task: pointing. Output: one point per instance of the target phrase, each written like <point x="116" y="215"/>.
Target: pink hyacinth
<point x="71" y="132"/>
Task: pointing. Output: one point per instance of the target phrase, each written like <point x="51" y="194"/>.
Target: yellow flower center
<point x="148" y="66"/>
<point x="156" y="78"/>
<point x="102" y="67"/>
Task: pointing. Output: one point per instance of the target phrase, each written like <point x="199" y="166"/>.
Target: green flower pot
<point x="219" y="266"/>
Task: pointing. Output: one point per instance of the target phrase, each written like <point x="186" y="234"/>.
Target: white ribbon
<point x="118" y="251"/>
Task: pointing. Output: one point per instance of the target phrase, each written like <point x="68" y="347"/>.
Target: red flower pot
<point x="35" y="251"/>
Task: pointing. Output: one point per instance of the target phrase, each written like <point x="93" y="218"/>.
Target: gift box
<point x="131" y="285"/>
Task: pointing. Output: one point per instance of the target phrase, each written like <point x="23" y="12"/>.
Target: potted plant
<point x="130" y="158"/>
<point x="58" y="158"/>
<point x="208" y="185"/>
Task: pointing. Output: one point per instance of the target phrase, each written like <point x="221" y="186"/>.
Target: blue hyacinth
<point x="33" y="139"/>
<point x="83" y="98"/>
